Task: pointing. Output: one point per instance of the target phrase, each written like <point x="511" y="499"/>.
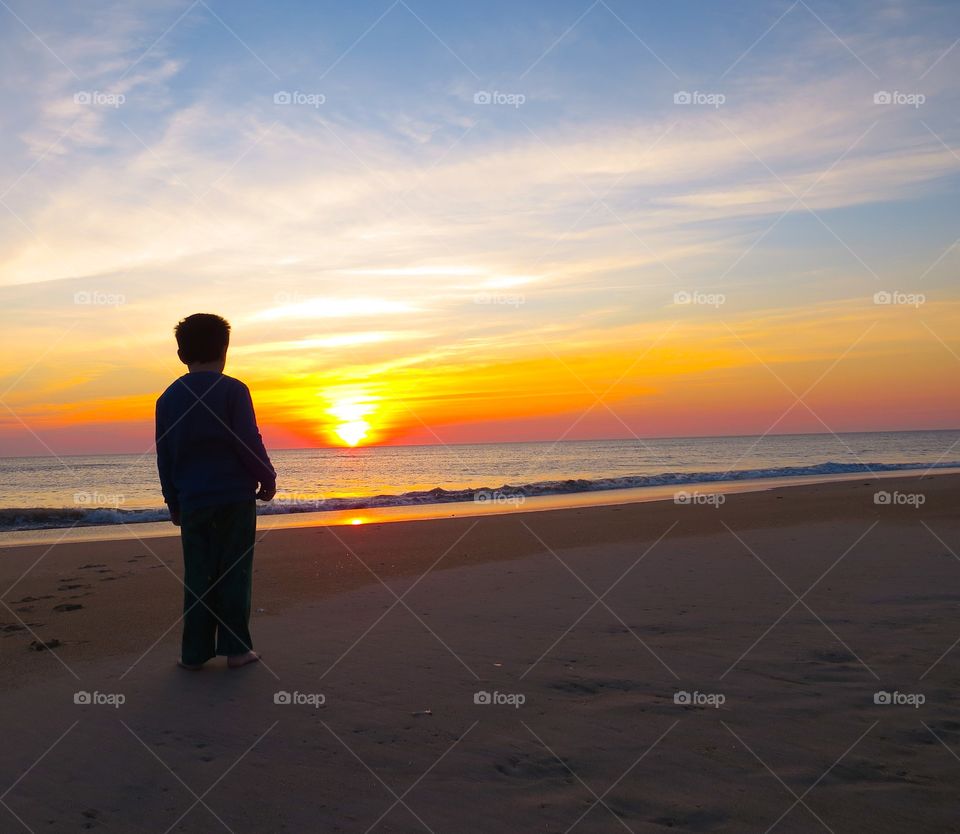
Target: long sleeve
<point x="249" y="443"/>
<point x="165" y="462"/>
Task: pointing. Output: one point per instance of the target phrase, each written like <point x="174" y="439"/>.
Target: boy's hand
<point x="175" y="517"/>
<point x="267" y="491"/>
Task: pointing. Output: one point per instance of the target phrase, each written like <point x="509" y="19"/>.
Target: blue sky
<point x="398" y="81"/>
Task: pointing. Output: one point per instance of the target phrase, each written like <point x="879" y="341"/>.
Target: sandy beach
<point x="644" y="667"/>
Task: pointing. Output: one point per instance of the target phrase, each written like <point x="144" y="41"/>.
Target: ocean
<point x="51" y="492"/>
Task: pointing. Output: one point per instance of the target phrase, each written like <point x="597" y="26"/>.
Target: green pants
<point x="218" y="577"/>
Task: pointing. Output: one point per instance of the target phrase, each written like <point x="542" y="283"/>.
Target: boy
<point x="213" y="467"/>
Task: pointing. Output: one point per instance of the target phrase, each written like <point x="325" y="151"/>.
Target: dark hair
<point x="202" y="337"/>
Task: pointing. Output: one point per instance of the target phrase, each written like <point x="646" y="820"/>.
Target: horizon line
<point x="441" y="444"/>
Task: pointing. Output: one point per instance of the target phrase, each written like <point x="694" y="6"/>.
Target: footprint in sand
<point x="694" y="821"/>
<point x="525" y="766"/>
<point x="67" y="606"/>
<point x="586" y="686"/>
<point x="864" y="771"/>
<point x="628" y="808"/>
<point x="576" y="687"/>
<point x="834" y="656"/>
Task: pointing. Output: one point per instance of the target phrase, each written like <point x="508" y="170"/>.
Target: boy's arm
<point x="243" y="422"/>
<point x="165" y="466"/>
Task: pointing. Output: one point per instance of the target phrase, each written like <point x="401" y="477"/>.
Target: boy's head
<point x="202" y="338"/>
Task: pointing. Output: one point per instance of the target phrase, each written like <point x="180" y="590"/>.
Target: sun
<point x="354" y="432"/>
<point x="351" y="410"/>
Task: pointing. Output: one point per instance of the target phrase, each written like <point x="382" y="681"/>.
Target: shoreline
<point x="137" y="578"/>
<point x="119" y="531"/>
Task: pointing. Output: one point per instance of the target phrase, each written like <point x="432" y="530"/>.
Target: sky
<point x="435" y="222"/>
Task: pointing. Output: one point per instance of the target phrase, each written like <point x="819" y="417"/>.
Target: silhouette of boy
<point x="212" y="467"/>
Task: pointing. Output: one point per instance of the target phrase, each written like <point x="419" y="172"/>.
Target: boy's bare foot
<point x="235" y="661"/>
<point x="190" y="667"/>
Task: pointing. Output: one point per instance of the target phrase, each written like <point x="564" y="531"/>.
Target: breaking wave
<point x="37" y="518"/>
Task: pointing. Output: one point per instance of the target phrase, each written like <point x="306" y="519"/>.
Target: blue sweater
<point x="209" y="450"/>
